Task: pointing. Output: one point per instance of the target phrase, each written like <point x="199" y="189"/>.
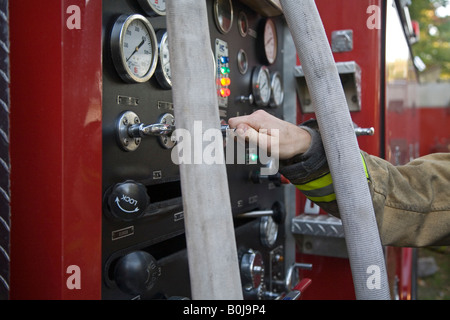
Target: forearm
<point x="409" y="210"/>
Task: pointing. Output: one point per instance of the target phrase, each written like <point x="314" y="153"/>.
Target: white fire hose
<point x="211" y="244"/>
<point x="341" y="147"/>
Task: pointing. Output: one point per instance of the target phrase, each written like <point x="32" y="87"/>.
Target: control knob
<point x="252" y="269"/>
<point x="136" y="273"/>
<point x="128" y="200"/>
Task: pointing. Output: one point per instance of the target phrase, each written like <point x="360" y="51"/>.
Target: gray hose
<point x="211" y="244"/>
<point x="341" y="147"/>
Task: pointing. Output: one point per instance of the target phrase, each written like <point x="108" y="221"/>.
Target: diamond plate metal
<point x="317" y="225"/>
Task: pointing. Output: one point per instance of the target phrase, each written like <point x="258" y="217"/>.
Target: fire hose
<point x="212" y="255"/>
<point x="341" y="148"/>
<point x="210" y="238"/>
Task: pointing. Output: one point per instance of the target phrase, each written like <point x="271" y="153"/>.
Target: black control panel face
<point x="143" y="245"/>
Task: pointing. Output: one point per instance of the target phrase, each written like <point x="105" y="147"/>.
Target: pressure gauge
<point x="269" y="41"/>
<point x="223" y="14"/>
<point x="133" y="46"/>
<point x="276" y="85"/>
<point x="153" y="7"/>
<point x="163" y="74"/>
<point x="268" y="230"/>
<point x="261" y="86"/>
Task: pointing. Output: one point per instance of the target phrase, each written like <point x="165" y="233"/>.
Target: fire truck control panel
<point x="95" y="186"/>
<point x="143" y="245"/>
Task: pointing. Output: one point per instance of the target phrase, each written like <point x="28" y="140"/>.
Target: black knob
<point x="136" y="273"/>
<point x="279" y="212"/>
<point x="257" y="178"/>
<point x="128" y="200"/>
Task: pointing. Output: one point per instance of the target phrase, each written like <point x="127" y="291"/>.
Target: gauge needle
<point x="136" y="49"/>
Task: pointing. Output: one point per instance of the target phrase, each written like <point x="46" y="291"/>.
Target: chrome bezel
<point x="117" y="37"/>
<point x="267" y="238"/>
<point x="218" y="6"/>
<point x="150" y="8"/>
<point x="276" y="76"/>
<point x="272" y="25"/>
<point x="256" y="90"/>
<point x="161" y="76"/>
<point x="242" y="61"/>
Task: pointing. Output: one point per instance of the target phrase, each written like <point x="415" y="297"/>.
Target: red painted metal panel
<point x="343" y="15"/>
<point x="332" y="276"/>
<point x="434" y="129"/>
<point x="55" y="150"/>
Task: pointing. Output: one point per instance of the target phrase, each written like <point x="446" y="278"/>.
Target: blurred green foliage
<point x="434" y="44"/>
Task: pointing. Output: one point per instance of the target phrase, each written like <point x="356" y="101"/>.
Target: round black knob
<point x="279" y="212"/>
<point x="136" y="273"/>
<point x="128" y="200"/>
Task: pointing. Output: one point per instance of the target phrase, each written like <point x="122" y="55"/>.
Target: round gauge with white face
<point x="269" y="41"/>
<point x="134" y="49"/>
<point x="276" y="85"/>
<point x="163" y="73"/>
<point x="261" y="86"/>
<point x="268" y="230"/>
<point x="153" y="7"/>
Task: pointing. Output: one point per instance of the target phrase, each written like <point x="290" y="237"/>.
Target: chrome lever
<point x="130" y="130"/>
<point x="158" y="129"/>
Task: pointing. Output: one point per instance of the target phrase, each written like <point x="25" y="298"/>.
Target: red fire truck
<point x="91" y="196"/>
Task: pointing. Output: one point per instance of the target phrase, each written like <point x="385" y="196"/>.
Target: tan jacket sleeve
<point x="411" y="202"/>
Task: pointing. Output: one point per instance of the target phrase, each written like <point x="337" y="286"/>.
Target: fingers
<point x="258" y="120"/>
<point x="245" y="133"/>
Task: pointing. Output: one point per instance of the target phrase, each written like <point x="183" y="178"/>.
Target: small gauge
<point x="133" y="46"/>
<point x="162" y="73"/>
<point x="153" y="7"/>
<point x="268" y="230"/>
<point x="223" y="14"/>
<point x="261" y="86"/>
<point x="276" y="85"/>
<point x="242" y="61"/>
<point x="269" y="41"/>
<point x="242" y="24"/>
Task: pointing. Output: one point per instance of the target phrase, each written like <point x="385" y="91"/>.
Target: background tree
<point x="434" y="44"/>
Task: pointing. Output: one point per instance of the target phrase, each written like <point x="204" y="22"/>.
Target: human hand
<point x="272" y="134"/>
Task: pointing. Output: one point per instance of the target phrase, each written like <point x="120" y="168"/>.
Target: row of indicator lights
<point x="224" y="79"/>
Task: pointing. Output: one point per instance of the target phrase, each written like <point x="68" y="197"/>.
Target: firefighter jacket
<point x="411" y="202"/>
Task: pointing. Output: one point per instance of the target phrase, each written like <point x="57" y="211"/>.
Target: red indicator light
<point x="225" y="92"/>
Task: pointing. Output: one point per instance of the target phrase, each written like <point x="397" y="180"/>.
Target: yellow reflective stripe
<point x="328" y="198"/>
<point x="321" y="182"/>
<point x="365" y="167"/>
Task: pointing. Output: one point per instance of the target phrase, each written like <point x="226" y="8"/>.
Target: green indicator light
<point x="253" y="157"/>
<point x="225" y="70"/>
